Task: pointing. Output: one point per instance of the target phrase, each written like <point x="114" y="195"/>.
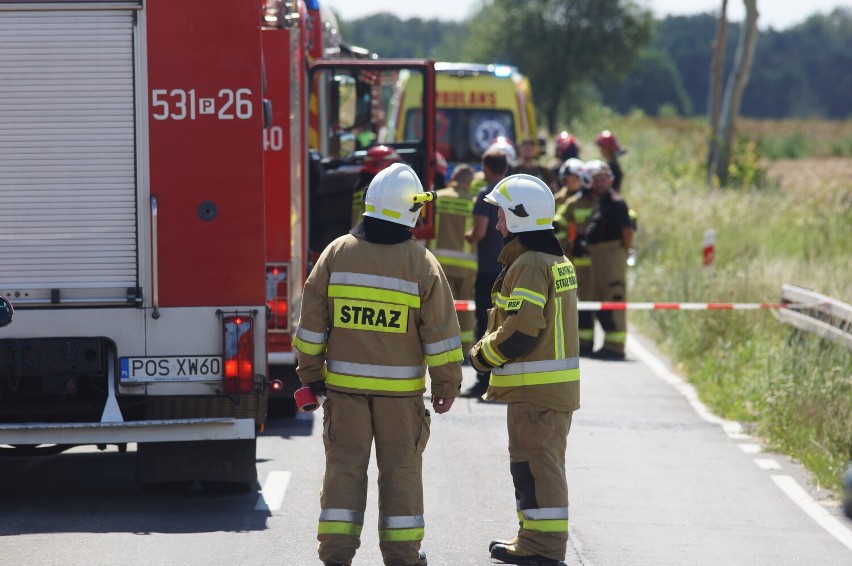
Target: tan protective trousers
<point x="462" y="288"/>
<point x="538" y="439"/>
<point x="609" y="281"/>
<point x="400" y="428"/>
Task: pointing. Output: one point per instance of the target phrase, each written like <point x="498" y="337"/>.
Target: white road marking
<point x="738" y="436"/>
<point x="816" y="511"/>
<point x="767" y="464"/>
<point x="579" y="551"/>
<point x="750" y="448"/>
<point x="732" y="428"/>
<point x="273" y="491"/>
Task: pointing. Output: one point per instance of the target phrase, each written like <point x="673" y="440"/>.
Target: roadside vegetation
<point x="787" y="218"/>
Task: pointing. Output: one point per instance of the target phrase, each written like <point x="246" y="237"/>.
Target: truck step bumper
<point x="125" y="432"/>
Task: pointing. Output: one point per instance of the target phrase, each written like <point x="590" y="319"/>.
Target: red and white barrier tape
<point x="612" y="306"/>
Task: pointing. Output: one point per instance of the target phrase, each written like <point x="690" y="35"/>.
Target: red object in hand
<point x="306" y="401"/>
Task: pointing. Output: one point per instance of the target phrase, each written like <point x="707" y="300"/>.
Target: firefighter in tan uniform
<point x="571" y="220"/>
<point x="609" y="238"/>
<point x="457" y="256"/>
<point x="377" y="311"/>
<point x="569" y="176"/>
<point x="531" y="350"/>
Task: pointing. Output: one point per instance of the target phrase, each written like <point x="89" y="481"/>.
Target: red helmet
<point x="380" y="157"/>
<point x="607" y="141"/>
<point x="567" y="146"/>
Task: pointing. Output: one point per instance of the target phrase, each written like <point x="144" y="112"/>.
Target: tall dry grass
<point x="791" y="222"/>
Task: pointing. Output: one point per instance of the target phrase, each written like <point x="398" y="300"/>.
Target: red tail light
<point x="276" y="297"/>
<point x="239" y="354"/>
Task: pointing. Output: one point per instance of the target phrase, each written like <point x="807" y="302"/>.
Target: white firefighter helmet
<point x="598" y="167"/>
<point x="396" y="195"/>
<point x="572" y="166"/>
<point x="526" y="201"/>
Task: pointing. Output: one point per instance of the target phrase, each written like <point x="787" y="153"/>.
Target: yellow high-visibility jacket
<point x="531" y="345"/>
<point x="374" y="316"/>
<point x="454" y="217"/>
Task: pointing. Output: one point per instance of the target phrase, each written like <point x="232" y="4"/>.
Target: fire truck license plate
<point x="177" y="368"/>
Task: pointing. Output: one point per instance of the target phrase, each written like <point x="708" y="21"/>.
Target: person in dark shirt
<point x="609" y="239"/>
<point x="489" y="243"/>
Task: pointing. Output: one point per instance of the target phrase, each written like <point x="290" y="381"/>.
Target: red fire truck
<point x="132" y="233"/>
<point x="329" y="102"/>
<point x="148" y="242"/>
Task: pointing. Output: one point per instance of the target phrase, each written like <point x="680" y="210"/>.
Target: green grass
<point x="794" y="388"/>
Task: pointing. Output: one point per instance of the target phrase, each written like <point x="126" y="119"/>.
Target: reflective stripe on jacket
<point x="374" y="316"/>
<point x="531" y="342"/>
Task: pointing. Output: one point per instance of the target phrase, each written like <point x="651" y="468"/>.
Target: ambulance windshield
<point x="462" y="134"/>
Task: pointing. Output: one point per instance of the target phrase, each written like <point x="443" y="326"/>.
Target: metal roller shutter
<point x="67" y="156"/>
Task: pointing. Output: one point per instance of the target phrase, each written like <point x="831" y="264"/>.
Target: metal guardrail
<point x="827" y="317"/>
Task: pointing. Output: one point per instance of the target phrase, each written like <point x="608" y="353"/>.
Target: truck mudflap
<point x="174" y="430"/>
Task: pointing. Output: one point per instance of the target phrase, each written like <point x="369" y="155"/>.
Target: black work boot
<point x="608" y="355"/>
<point x="515" y="554"/>
<point x="495" y="542"/>
<point x="421" y="559"/>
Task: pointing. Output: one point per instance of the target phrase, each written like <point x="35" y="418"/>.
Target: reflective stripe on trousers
<point x="340" y="522"/>
<point x="401" y="529"/>
<point x="547" y="520"/>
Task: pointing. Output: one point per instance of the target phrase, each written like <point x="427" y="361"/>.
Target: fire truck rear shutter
<point x="68" y="190"/>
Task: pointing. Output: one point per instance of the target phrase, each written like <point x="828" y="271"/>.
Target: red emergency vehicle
<point x="132" y="237"/>
<point x="329" y="102"/>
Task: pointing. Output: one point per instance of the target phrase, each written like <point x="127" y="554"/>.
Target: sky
<point x="777" y="14"/>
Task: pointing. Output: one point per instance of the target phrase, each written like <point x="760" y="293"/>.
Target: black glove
<point x="317" y="388"/>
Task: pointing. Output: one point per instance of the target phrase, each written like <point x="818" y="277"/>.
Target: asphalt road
<point x="653" y="479"/>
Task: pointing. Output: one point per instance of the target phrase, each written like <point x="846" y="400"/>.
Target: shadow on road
<point x="96" y="492"/>
<point x="300" y="425"/>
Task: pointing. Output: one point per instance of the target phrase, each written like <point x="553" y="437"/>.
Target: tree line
<point x="615" y="53"/>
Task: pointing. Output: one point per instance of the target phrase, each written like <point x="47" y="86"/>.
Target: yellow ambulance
<point x="474" y="105"/>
